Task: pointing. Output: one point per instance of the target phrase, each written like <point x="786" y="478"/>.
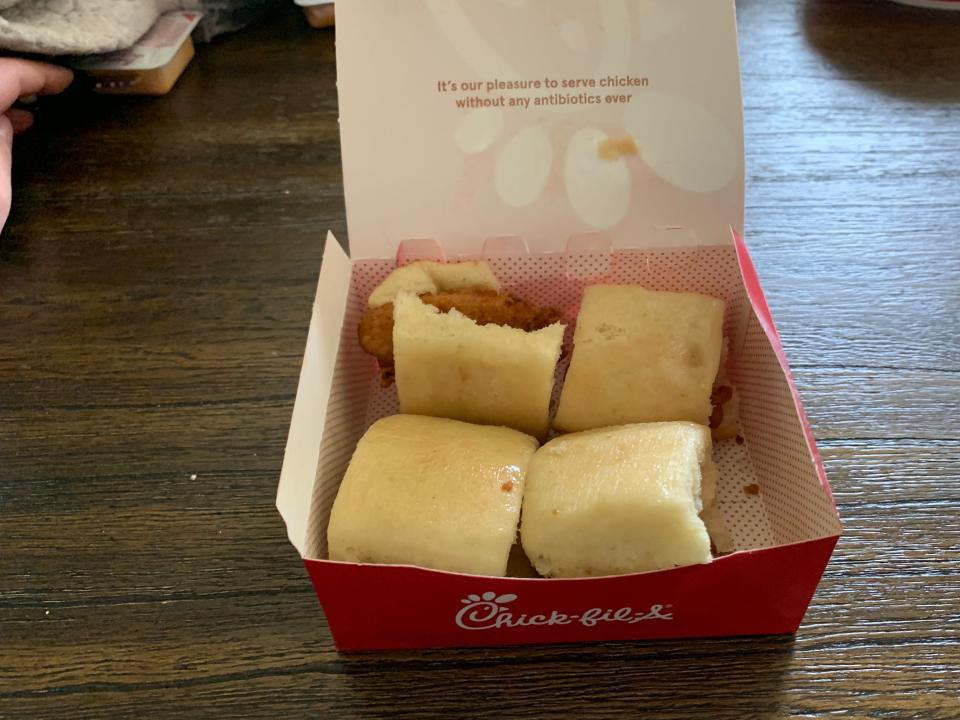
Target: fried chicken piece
<point x="483" y="306"/>
<point x="726" y="409"/>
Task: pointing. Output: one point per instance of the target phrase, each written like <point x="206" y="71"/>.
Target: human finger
<point x="6" y="143"/>
<point x="19" y="78"/>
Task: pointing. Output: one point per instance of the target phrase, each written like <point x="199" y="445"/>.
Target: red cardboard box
<point x="566" y="142"/>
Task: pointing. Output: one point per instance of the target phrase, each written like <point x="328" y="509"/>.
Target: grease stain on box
<point x="614" y="148"/>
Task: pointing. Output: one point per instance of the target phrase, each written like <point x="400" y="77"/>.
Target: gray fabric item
<point x="58" y="27"/>
<point x="83" y="27"/>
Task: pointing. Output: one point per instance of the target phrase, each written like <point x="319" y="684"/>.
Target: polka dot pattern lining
<point x="354" y="378"/>
<point x="798" y="508"/>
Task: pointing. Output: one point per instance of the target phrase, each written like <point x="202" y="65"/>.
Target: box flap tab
<point x="299" y="472"/>
<point x="464" y="120"/>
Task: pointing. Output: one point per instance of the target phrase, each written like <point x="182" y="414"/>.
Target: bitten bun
<point x="447" y="365"/>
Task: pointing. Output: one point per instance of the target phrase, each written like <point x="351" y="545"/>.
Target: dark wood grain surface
<point x="156" y="278"/>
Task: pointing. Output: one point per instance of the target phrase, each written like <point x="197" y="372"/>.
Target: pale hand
<point x="18" y="79"/>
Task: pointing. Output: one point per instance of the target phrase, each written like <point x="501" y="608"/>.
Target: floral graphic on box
<point x="596" y="164"/>
<point x="489" y="611"/>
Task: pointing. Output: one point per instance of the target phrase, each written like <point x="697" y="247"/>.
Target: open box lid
<point x="464" y="120"/>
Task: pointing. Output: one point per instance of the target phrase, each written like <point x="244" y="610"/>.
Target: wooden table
<point x="156" y="279"/>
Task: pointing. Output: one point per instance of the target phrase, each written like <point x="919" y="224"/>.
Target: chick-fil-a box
<point x="566" y="142"/>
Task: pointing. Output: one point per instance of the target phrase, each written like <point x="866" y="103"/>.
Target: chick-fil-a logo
<point x="489" y="612"/>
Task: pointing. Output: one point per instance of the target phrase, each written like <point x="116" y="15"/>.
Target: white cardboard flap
<point x="299" y="471"/>
<point x="464" y="120"/>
